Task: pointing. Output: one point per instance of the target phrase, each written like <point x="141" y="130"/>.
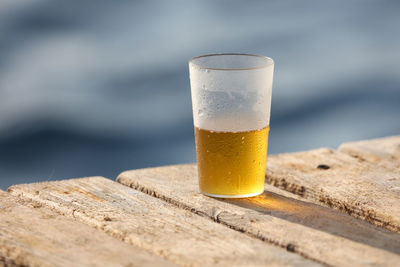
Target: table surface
<point x="320" y="207"/>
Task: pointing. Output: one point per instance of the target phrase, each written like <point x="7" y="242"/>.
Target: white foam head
<point x="231" y="92"/>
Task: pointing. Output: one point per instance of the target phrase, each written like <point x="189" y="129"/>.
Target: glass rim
<point x="269" y="61"/>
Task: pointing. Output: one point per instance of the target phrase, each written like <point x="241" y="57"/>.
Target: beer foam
<point x="231" y="100"/>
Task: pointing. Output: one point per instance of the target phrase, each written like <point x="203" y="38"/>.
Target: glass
<point x="231" y="99"/>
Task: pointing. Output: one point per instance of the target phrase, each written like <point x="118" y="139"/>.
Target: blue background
<point x="99" y="87"/>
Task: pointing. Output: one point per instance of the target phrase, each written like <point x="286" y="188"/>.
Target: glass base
<point x="233" y="196"/>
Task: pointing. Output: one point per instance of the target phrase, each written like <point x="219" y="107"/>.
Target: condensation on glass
<point x="231" y="100"/>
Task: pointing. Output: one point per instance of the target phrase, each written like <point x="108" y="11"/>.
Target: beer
<point x="231" y="163"/>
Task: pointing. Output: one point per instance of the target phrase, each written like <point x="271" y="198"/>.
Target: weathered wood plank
<point x="154" y="225"/>
<point x="383" y="151"/>
<point x="311" y="230"/>
<point x="362" y="189"/>
<point x="36" y="236"/>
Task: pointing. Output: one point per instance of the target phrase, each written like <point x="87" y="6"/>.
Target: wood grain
<point x="362" y="189"/>
<point x="383" y="151"/>
<point x="316" y="232"/>
<point x="35" y="236"/>
<point x="154" y="225"/>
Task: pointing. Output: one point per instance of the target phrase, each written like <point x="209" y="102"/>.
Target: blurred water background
<point x="99" y="87"/>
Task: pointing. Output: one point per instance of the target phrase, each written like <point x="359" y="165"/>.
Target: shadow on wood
<point x="364" y="184"/>
<point x="321" y="218"/>
<point x="273" y="223"/>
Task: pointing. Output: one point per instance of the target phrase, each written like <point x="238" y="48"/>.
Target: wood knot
<point x="323" y="167"/>
<point x="107" y="219"/>
<point x="291" y="248"/>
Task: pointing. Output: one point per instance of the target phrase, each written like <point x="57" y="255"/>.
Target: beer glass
<point x="231" y="100"/>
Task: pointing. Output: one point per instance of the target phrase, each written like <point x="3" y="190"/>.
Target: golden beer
<point x="231" y="163"/>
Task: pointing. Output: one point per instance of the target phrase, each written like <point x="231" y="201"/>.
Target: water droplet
<point x="208" y="151"/>
<point x="208" y="136"/>
<point x="200" y="113"/>
<point x="243" y="137"/>
<point x="207" y="71"/>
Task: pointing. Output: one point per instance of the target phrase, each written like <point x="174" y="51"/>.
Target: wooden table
<point x="321" y="207"/>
